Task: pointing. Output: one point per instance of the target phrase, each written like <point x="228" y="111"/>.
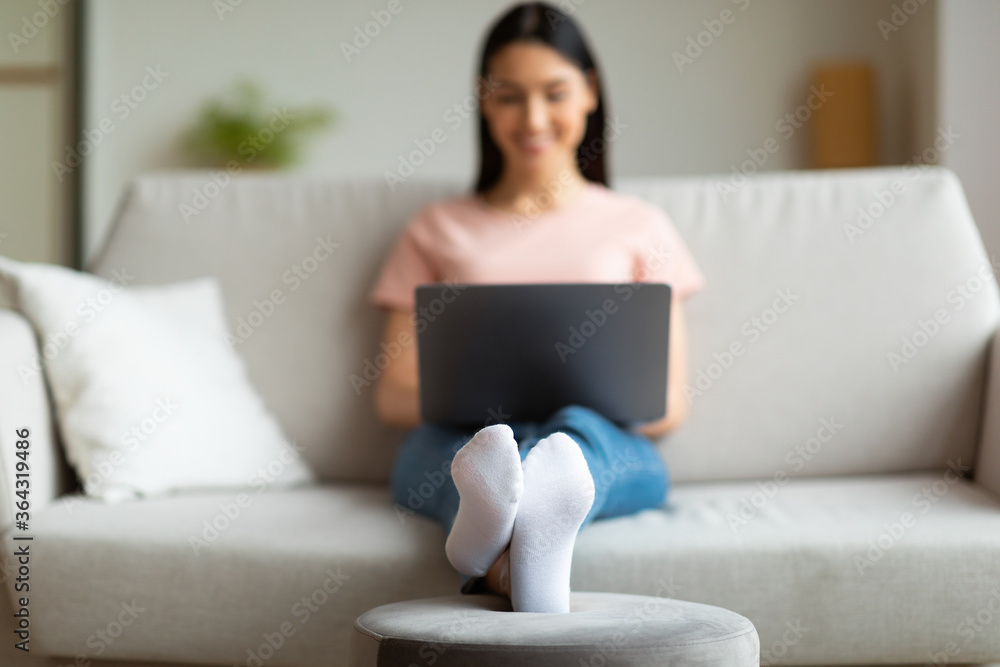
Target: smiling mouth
<point x="535" y="144"/>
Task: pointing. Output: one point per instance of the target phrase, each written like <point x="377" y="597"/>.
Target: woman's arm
<point x="397" y="392"/>
<point x="677" y="403"/>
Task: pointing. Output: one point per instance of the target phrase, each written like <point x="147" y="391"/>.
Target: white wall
<point x="969" y="101"/>
<point x="699" y="120"/>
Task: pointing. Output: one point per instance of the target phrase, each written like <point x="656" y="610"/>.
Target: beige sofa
<point x="837" y="482"/>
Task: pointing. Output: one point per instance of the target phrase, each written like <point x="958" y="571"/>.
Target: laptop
<point x="490" y="353"/>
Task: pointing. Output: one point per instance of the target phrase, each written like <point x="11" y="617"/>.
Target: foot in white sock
<point x="558" y="494"/>
<point x="487" y="474"/>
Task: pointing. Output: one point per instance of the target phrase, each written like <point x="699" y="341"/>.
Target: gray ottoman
<point x="601" y="629"/>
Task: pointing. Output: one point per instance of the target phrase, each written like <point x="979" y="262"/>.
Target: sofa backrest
<point x="843" y="328"/>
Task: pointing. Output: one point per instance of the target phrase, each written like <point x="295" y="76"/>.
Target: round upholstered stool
<point x="601" y="629"/>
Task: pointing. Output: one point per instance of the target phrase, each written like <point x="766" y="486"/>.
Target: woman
<point x="513" y="496"/>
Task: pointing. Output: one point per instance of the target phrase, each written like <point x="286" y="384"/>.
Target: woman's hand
<point x="677" y="402"/>
<point x="397" y="392"/>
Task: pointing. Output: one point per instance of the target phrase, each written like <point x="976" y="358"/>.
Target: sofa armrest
<point x="24" y="403"/>
<point x="987" y="470"/>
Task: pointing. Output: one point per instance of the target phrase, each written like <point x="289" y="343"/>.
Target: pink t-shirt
<point x="602" y="236"/>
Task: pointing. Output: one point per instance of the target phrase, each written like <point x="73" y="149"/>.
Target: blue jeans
<point x="629" y="475"/>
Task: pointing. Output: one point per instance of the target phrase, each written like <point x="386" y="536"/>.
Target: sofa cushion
<point x="861" y="297"/>
<point x="823" y="567"/>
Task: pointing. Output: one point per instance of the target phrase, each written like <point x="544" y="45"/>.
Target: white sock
<point x="487" y="474"/>
<point x="558" y="494"/>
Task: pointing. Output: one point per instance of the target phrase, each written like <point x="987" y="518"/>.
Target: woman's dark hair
<point x="540" y="22"/>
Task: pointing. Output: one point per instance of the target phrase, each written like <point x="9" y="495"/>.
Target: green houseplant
<point x="245" y="130"/>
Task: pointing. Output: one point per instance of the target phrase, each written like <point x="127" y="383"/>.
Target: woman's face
<point x="537" y="113"/>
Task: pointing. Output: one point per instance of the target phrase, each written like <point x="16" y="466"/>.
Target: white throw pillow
<point x="149" y="395"/>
